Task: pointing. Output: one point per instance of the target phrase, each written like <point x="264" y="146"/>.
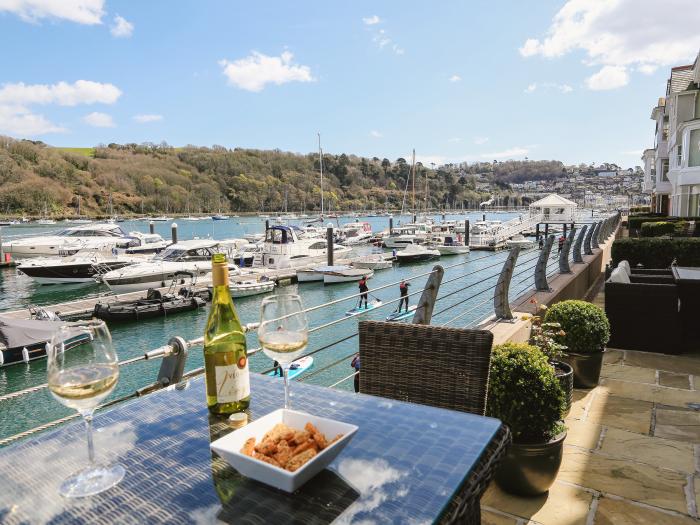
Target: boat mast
<point x="320" y="163"/>
<point x="413" y="174"/>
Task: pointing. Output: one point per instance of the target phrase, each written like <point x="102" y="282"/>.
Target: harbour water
<point x="132" y="340"/>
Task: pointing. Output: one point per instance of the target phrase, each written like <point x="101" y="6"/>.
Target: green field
<point x="85" y="152"/>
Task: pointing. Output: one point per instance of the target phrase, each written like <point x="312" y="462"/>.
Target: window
<point x="664" y="170"/>
<point x="694" y="148"/>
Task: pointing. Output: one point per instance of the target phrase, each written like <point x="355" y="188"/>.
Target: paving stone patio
<point x="632" y="453"/>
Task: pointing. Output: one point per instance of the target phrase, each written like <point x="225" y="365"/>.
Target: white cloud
<point x="88" y="12"/>
<point x="562" y="88"/>
<point x="371" y="20"/>
<point x="507" y="154"/>
<point x="647" y="69"/>
<point x="609" y="77"/>
<point x="62" y="93"/>
<point x="621" y="34"/>
<point x="99" y="120"/>
<point x="121" y="28"/>
<point x="454" y="140"/>
<point x="145" y="118"/>
<point x="376" y="134"/>
<point x="19" y="121"/>
<point x="252" y="73"/>
<point x="480" y="140"/>
<point x="17" y="118"/>
<point x="455" y="78"/>
<point x="382" y="40"/>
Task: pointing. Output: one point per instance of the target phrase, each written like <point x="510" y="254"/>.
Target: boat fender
<point x="2" y="358"/>
<point x="25" y="355"/>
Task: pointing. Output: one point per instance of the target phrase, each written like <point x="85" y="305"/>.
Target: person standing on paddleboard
<point x="356" y="365"/>
<point x="403" y="288"/>
<point x="363" y="291"/>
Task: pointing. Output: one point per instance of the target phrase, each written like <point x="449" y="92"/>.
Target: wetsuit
<point x="363" y="291"/>
<point x="561" y="243"/>
<point x="403" y="287"/>
<point x="356" y="365"/>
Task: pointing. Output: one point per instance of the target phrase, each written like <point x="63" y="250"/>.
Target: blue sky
<point x="456" y="80"/>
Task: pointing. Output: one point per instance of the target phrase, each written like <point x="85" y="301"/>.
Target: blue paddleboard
<point x="297" y="367"/>
<point x="358" y="311"/>
<point x="403" y="314"/>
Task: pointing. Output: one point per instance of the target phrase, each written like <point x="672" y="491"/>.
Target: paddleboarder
<point x="403" y="289"/>
<point x="356" y="365"/>
<point x="363" y="291"/>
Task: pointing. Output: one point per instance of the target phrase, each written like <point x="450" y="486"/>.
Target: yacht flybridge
<point x="286" y="247"/>
<point x="83" y="236"/>
<point x="193" y="257"/>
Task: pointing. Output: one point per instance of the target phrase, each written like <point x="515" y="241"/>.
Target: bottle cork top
<point x="219" y="269"/>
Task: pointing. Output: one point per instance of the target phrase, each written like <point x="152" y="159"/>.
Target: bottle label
<point x="232" y="383"/>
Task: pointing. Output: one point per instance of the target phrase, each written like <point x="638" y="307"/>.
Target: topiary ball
<point x="586" y="327"/>
<point x="524" y="393"/>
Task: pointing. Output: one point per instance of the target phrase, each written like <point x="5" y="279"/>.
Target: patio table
<point x="688" y="280"/>
<point x="404" y="464"/>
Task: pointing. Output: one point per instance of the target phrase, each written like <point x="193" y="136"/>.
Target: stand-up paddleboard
<point x="297" y="367"/>
<point x="361" y="310"/>
<point x="403" y="314"/>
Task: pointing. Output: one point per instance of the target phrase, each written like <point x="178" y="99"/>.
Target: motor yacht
<point x="375" y="261"/>
<point x="317" y="273"/>
<point x="193" y="257"/>
<point x="355" y="233"/>
<point x="80" y="267"/>
<point x="521" y="242"/>
<point x="416" y="253"/>
<point x="448" y="245"/>
<point x="285" y="247"/>
<point x="83" y="236"/>
<point x="403" y="236"/>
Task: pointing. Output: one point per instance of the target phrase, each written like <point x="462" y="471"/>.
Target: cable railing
<point x="177" y="348"/>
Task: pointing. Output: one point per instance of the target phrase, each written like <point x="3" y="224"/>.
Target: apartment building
<point x="672" y="166"/>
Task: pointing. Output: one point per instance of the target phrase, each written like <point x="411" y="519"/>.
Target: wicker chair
<point x="441" y="367"/>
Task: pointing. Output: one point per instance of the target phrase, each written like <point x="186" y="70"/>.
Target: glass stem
<point x="91" y="445"/>
<point x="285" y="372"/>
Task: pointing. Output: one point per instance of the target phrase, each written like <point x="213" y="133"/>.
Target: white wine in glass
<point x="80" y="378"/>
<point x="283" y="332"/>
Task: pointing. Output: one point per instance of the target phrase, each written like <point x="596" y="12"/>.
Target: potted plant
<point x="586" y="332"/>
<point x="545" y="336"/>
<point x="524" y="393"/>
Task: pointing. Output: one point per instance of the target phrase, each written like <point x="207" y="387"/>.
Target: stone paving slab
<point x="582" y="434"/>
<point x="671" y="363"/>
<point x="621" y="412"/>
<point x="674" y="380"/>
<point x="620" y="512"/>
<point x="662" y="453"/>
<point x="650" y="393"/>
<point x="492" y="518"/>
<point x="658" y="487"/>
<point x="563" y="504"/>
<point x="677" y="423"/>
<point x="629" y="373"/>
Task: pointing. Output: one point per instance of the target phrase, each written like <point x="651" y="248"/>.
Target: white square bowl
<point x="229" y="448"/>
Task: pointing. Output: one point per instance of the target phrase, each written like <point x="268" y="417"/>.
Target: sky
<point x="571" y="80"/>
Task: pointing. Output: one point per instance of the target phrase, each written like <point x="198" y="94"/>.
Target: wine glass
<point x="82" y="371"/>
<point x="283" y="332"/>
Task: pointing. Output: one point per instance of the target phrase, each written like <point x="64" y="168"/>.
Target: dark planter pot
<point x="529" y="470"/>
<point x="586" y="368"/>
<point x="565" y="376"/>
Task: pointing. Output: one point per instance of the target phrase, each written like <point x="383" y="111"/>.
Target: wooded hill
<point x="157" y="178"/>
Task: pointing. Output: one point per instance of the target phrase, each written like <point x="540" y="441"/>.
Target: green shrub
<point x="635" y="222"/>
<point x="657" y="229"/>
<point x="524" y="393"/>
<point x="657" y="253"/>
<point x="586" y="326"/>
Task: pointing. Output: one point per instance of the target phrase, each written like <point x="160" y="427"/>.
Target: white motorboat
<point x="346" y="276"/>
<point x="193" y="257"/>
<point x="373" y="262"/>
<point x="162" y="218"/>
<point x="254" y="237"/>
<point x="448" y="245"/>
<point x="146" y="243"/>
<point x="355" y="233"/>
<point x="285" y="247"/>
<point x="520" y="241"/>
<point x="317" y="273"/>
<point x="403" y="236"/>
<point x="220" y="217"/>
<point x="81" y="267"/>
<point x="250" y="287"/>
<point x="45" y="222"/>
<point x="416" y="253"/>
<point x="50" y="245"/>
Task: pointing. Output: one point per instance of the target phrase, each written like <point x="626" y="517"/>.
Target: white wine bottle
<point x="225" y="358"/>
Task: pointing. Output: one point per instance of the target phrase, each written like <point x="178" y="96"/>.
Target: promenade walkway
<point x="632" y="454"/>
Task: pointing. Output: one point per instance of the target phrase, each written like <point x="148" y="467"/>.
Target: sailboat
<point x="80" y="220"/>
<point x="45" y="220"/>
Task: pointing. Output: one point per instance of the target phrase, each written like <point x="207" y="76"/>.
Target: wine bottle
<point x="225" y="358"/>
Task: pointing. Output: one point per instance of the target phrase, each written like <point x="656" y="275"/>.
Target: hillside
<point x="157" y="178"/>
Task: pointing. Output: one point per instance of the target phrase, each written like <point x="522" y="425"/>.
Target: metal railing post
<point x="173" y="365"/>
<point x="594" y="237"/>
<point x="329" y="245"/>
<point x="541" y="283"/>
<point x="424" y="310"/>
<point x="501" y="302"/>
<point x="577" y="245"/>
<point x="587" y="241"/>
<point x="564" y="255"/>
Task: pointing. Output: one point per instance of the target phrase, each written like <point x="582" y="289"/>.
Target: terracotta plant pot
<point x="530" y="469"/>
<point x="586" y="368"/>
<point x="565" y="376"/>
